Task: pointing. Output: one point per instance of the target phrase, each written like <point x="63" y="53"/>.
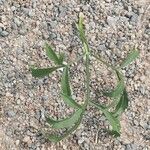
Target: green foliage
<point x="61" y="58"/>
<point x="53" y="56"/>
<point x="118" y="95"/>
<point x="70" y="101"/>
<point x="54" y="138"/>
<point x="132" y="56"/>
<point x="44" y="71"/>
<point x="114" y="122"/>
<point x="65" y="82"/>
<point x="117" y="91"/>
<point x="67" y="122"/>
<point x="122" y="104"/>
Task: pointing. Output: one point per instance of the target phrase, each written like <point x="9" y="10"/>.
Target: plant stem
<point x="87" y="80"/>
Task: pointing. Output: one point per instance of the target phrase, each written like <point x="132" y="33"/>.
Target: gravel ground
<point x="113" y="28"/>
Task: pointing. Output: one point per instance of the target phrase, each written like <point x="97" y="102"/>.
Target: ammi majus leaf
<point x="117" y="91"/>
<point x="132" y="56"/>
<point x="70" y="101"/>
<point x="41" y="72"/>
<point x="119" y="88"/>
<point x="122" y="104"/>
<point x="51" y="54"/>
<point x="61" y="58"/>
<point x="56" y="138"/>
<point x="65" y="87"/>
<point x="114" y="122"/>
<point x="67" y="122"/>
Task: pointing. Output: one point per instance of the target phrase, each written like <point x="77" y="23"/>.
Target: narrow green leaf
<point x="71" y="102"/>
<point x="54" y="138"/>
<point x="114" y="133"/>
<point x="65" y="82"/>
<point x="122" y="104"/>
<point x="113" y="103"/>
<point x="132" y="56"/>
<point x="51" y="121"/>
<point x="119" y="88"/>
<point x="114" y="122"/>
<point x="43" y="71"/>
<point x="61" y="58"/>
<point x="68" y="122"/>
<point x="117" y="91"/>
<point x="51" y="54"/>
<point x="119" y="75"/>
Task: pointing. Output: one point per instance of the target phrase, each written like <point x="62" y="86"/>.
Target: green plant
<point x="118" y="95"/>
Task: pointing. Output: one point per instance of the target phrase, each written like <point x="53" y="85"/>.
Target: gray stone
<point x="147" y="31"/>
<point x="22" y="31"/>
<point x="52" y="36"/>
<point x="81" y="140"/>
<point x="102" y="47"/>
<point x="111" y="21"/>
<point x="38" y="115"/>
<point x="131" y="147"/>
<point x="26" y="139"/>
<point x="134" y="18"/>
<point x="13" y="8"/>
<point x="34" y="3"/>
<point x="18" y="101"/>
<point x="128" y="147"/>
<point x="17" y="21"/>
<point x="30" y="13"/>
<point x="2" y="1"/>
<point x="33" y="147"/>
<point x="25" y="10"/>
<point x="42" y="114"/>
<point x="108" y="52"/>
<point x="1" y="29"/>
<point x="45" y="97"/>
<point x="108" y="1"/>
<point x="14" y="26"/>
<point x="4" y="33"/>
<point x="45" y="35"/>
<point x="144" y="124"/>
<point x="11" y="113"/>
<point x="63" y="11"/>
<point x="53" y="24"/>
<point x="111" y="45"/>
<point x="142" y="90"/>
<point x="147" y="137"/>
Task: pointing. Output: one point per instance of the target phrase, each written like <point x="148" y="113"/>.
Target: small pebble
<point x="17" y="142"/>
<point x="17" y="21"/>
<point x="26" y="139"/>
<point x="11" y="113"/>
<point x="108" y="1"/>
<point x="4" y="33"/>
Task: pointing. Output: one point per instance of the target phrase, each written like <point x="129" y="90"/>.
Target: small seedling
<point x="118" y="95"/>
